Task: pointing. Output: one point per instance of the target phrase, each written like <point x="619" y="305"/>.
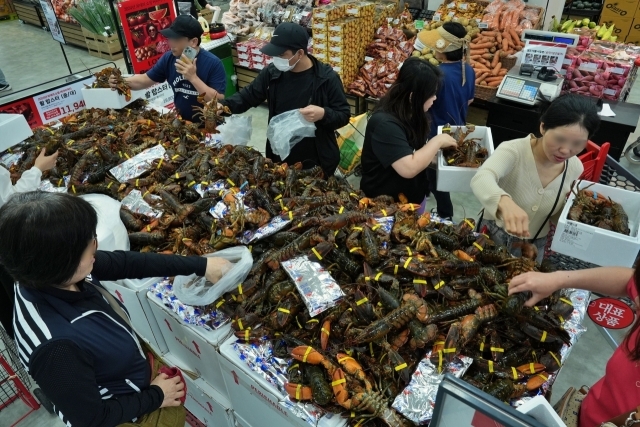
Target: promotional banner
<point x="142" y="21"/>
<point x="52" y="20"/>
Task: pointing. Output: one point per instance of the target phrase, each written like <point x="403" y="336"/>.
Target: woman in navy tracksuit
<point x="80" y="349"/>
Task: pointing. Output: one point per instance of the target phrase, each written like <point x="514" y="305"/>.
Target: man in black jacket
<point x="297" y="80"/>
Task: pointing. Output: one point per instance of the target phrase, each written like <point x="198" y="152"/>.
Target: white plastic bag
<point x="195" y="290"/>
<point x="112" y="234"/>
<point x="236" y="130"/>
<point x="286" y="130"/>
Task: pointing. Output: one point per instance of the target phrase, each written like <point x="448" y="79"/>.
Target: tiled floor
<point x="29" y="56"/>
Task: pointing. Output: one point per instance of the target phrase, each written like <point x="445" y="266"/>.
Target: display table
<point x="509" y="120"/>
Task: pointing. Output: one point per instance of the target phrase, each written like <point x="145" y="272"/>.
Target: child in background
<point x="455" y="93"/>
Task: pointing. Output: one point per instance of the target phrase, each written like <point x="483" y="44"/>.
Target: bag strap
<point x="564" y="175"/>
<point x="113" y="303"/>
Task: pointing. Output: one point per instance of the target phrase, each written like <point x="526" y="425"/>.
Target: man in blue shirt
<point x="204" y="75"/>
<point x="455" y="93"/>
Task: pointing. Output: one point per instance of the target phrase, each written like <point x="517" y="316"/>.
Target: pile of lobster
<point x="469" y="153"/>
<point x="597" y="210"/>
<point x="415" y="286"/>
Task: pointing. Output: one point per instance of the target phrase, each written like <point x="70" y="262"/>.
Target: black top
<point x="71" y="377"/>
<point x="326" y="92"/>
<point x="385" y="142"/>
<point x="193" y="9"/>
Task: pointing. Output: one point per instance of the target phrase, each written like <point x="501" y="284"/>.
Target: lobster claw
<point x="338" y="383"/>
<point x="298" y="391"/>
<point x="307" y="354"/>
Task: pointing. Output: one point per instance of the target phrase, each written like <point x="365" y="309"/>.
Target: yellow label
<point x="400" y="367"/>
<point x="532" y="368"/>
<point x="469" y="223"/>
<point x="362" y="301"/>
<point x="395" y="270"/>
<point x="480" y="248"/>
<point x="278" y="197"/>
<point x="409" y="251"/>
<point x="240" y="289"/>
<point x="240" y="324"/>
<point x="344" y="358"/>
<point x="515" y="373"/>
<point x="338" y="382"/>
<point x="316" y="253"/>
<point x="233" y="184"/>
<point x="284" y="310"/>
<point x="219" y="304"/>
<point x="357" y="228"/>
<point x="313" y="321"/>
<point x="341" y="209"/>
<point x="544" y="336"/>
<point x="352" y="250"/>
<point x="378" y="276"/>
<point x="384" y="212"/>
<point x="491" y="366"/>
<point x="306" y="354"/>
<point x="73" y="188"/>
<point x="449" y="350"/>
<point x="325" y="331"/>
<point x="555" y="358"/>
<point x="246" y="335"/>
<point x="566" y="301"/>
<point x="439" y="285"/>
<point x="419" y="282"/>
<point x="497" y="349"/>
<point x="406" y="264"/>
<point x="290" y="216"/>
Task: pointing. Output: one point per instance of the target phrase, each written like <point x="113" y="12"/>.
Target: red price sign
<point x="610" y="313"/>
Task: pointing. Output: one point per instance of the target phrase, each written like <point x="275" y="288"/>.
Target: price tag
<point x="419" y="24"/>
<point x="575" y="236"/>
<point x="61" y="102"/>
<point x="588" y="66"/>
<point x="463" y="6"/>
<point x="436" y="17"/>
<point x="451" y="5"/>
<point x="617" y="70"/>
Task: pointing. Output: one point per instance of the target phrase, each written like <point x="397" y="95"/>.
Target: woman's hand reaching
<point x="541" y="285"/>
<point x="216" y="268"/>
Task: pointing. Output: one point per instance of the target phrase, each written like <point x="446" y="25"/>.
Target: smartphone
<point x="190" y="53"/>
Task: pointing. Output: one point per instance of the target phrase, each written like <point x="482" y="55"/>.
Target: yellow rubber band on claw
<point x="316" y="253"/>
<point x="384" y="212"/>
<point x="359" y="423"/>
<point x="407" y="262"/>
<point x="497" y="349"/>
<point x="160" y="163"/>
<point x="240" y="324"/>
<point x="469" y="223"/>
<point x="395" y="270"/>
<point x="338" y="382"/>
<point x="313" y="321"/>
<point x="419" y="282"/>
<point x="246" y="335"/>
<point x="480" y="248"/>
<point x="371" y="349"/>
<point x="491" y="366"/>
<point x="341" y="209"/>
<point x="566" y="301"/>
<point x="515" y="373"/>
<point x="544" y="336"/>
<point x="325" y="331"/>
<point x="306" y="354"/>
<point x="409" y="251"/>
<point x="290" y="216"/>
<point x="284" y="310"/>
<point x="219" y="304"/>
<point x="439" y="285"/>
<point x="375" y="227"/>
<point x="298" y="388"/>
<point x="278" y="197"/>
<point x="532" y="368"/>
<point x="345" y="358"/>
<point x="233" y="184"/>
<point x="555" y="358"/>
<point x="352" y="250"/>
<point x="378" y="276"/>
<point x="362" y="301"/>
<point x="400" y="367"/>
<point x="240" y="289"/>
<point x="482" y="346"/>
<point x="439" y="360"/>
<point x="449" y="350"/>
<point x="544" y="377"/>
<point x="357" y="228"/>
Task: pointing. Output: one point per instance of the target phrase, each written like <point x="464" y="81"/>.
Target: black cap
<point x="183" y="26"/>
<point x="287" y="36"/>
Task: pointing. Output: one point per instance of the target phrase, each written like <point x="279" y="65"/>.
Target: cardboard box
<point x="622" y="23"/>
<point x="133" y="294"/>
<point x="634" y="32"/>
<point x="256" y="402"/>
<point x="107" y="98"/>
<point x="596" y="245"/>
<point x="455" y="178"/>
<point x="193" y="345"/>
<point x="621" y="8"/>
<point x="14" y="129"/>
<point x="203" y="401"/>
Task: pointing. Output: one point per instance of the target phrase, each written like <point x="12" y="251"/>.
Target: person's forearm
<point x="209" y="92"/>
<point x="118" y="265"/>
<point x="137" y="82"/>
<point x="603" y="280"/>
<point x="418" y="161"/>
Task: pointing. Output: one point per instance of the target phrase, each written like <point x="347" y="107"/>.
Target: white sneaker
<point x="5" y="87"/>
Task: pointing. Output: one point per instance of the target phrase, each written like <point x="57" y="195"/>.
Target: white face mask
<point x="282" y="64"/>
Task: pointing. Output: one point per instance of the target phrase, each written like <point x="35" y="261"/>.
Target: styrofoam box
<point x="203" y="401"/>
<point x="107" y="98"/>
<point x="133" y="294"/>
<point x="455" y="178"/>
<point x="255" y="402"/>
<point x="596" y="245"/>
<point x="194" y="345"/>
<point x="542" y="411"/>
<point x="14" y="129"/>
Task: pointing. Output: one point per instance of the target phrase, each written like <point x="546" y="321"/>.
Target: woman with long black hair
<point x="73" y="337"/>
<point x="395" y="152"/>
<point x="616" y="396"/>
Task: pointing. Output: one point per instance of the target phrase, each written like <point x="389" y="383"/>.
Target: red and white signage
<point x="61" y="102"/>
<point x="610" y="313"/>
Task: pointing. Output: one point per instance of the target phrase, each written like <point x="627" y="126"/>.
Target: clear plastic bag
<point x="236" y="130"/>
<point x="111" y="232"/>
<point x="195" y="290"/>
<point x="286" y="130"/>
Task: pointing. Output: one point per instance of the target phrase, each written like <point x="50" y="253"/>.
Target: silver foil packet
<point x="136" y="204"/>
<point x="47" y="185"/>
<point x="276" y="224"/>
<point x="418" y="400"/>
<point x="316" y="286"/>
<point x="138" y="164"/>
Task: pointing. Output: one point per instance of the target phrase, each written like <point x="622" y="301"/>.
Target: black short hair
<point x="457" y="30"/>
<point x="571" y="109"/>
<point x="43" y="236"/>
<point x="150" y="25"/>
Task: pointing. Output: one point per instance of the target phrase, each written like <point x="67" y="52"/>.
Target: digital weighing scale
<point x="524" y="90"/>
<point x="551" y="37"/>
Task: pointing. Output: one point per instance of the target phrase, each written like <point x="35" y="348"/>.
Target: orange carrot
<point x="485" y="45"/>
<point x="488" y="56"/>
<point x="496" y="59"/>
<point x="477" y="51"/>
<point x="505" y="44"/>
<point x="502" y="72"/>
<point x="490" y="33"/>
<point x="496" y="69"/>
<point x="514" y="36"/>
<point x="482" y="77"/>
<point x="494" y="84"/>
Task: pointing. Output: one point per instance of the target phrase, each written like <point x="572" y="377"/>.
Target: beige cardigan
<point x="511" y="171"/>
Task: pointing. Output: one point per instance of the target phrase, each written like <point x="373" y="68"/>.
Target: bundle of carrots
<point x="486" y="51"/>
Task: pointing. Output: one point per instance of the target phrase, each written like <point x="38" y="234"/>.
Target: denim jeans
<point x="502" y="238"/>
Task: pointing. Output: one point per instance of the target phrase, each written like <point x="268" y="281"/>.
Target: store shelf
<point x="581" y="12"/>
<point x="29" y="13"/>
<point x="73" y="34"/>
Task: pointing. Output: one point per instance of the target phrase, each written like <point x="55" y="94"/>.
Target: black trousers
<point x="6" y="301"/>
<point x="443" y="199"/>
